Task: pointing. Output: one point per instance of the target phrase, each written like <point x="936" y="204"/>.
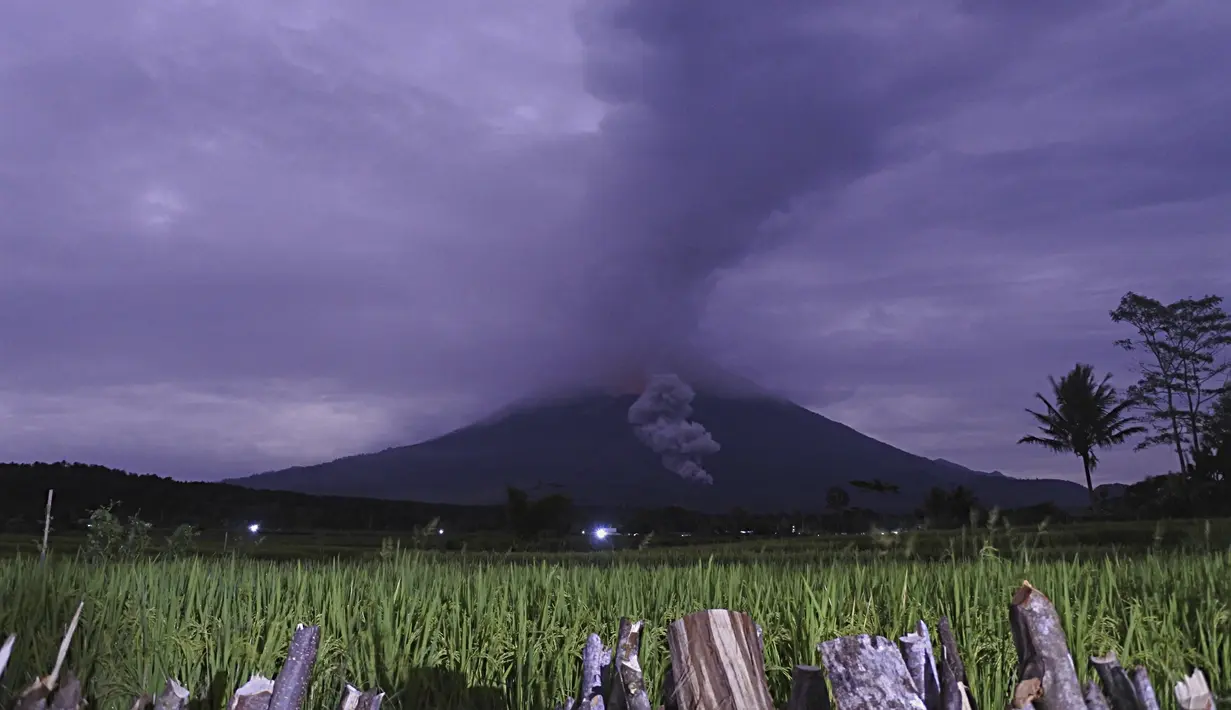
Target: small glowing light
<point x="441" y="531"/>
<point x="600" y="533"/>
<point x="254" y="528"/>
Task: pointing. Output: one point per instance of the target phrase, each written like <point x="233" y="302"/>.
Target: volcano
<point x="776" y="457"/>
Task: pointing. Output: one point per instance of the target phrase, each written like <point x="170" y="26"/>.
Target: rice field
<point x="450" y="631"/>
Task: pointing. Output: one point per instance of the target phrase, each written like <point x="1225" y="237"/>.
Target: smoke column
<point x="723" y="114"/>
<point x="660" y="420"/>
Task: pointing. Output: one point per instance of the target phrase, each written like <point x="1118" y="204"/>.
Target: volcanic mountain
<point x="776" y="457"/>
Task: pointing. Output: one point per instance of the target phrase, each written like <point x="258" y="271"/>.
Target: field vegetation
<point x="494" y="630"/>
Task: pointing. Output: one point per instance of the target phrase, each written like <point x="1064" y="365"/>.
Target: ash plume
<point x="721" y="115"/>
<point x="660" y="420"/>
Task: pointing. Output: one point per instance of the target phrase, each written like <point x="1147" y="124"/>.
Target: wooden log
<point x="68" y="694"/>
<point x="1117" y="687"/>
<point x="808" y="689"/>
<point x="371" y="699"/>
<point x="868" y="673"/>
<point x="1193" y="693"/>
<point x="34" y="697"/>
<point x="1041" y="645"/>
<point x="173" y="696"/>
<point x="717" y="663"/>
<point x="1027" y="689"/>
<point x="354" y="699"/>
<point x="1144" y="688"/>
<point x="954" y="687"/>
<point x="350" y="697"/>
<point x="594" y="658"/>
<point x="668" y="690"/>
<point x="37" y="695"/>
<point x="628" y="690"/>
<point x="291" y="685"/>
<point x="1095" y="700"/>
<point x="253" y="695"/>
<point x="921" y="665"/>
<point x="6" y="652"/>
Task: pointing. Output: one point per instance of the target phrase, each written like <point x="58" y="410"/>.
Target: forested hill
<point x="80" y="488"/>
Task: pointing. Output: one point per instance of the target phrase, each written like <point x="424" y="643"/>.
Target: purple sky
<point x="237" y="236"/>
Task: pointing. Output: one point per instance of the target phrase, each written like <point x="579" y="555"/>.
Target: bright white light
<point x="440" y="531"/>
<point x="600" y="533"/>
<point x="254" y="528"/>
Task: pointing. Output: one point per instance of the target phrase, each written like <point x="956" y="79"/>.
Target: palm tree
<point x="1086" y="416"/>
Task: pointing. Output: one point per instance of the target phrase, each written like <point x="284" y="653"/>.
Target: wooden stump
<point x="1048" y="678"/>
<point x="808" y="689"/>
<point x="716" y="662"/>
<point x="868" y="673"/>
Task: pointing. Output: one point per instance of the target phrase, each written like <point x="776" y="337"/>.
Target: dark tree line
<point x="167" y="503"/>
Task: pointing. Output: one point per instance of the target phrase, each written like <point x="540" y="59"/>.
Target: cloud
<point x="214" y="214"/>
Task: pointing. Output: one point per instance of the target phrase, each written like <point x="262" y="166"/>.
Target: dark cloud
<point x="237" y="236"/>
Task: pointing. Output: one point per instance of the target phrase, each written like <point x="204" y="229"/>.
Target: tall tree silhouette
<point x="1182" y="346"/>
<point x="1084" y="417"/>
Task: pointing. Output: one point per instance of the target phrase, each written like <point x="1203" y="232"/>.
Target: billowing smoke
<point x="660" y="419"/>
<point x="722" y="113"/>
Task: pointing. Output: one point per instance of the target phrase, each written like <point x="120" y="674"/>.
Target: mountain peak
<point x="775" y="457"/>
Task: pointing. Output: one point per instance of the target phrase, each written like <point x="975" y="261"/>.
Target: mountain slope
<point x="776" y="456"/>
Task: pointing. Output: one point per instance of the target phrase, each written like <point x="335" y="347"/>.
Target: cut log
<point x="68" y="694"/>
<point x="717" y="662"/>
<point x="1029" y="687"/>
<point x="594" y="658"/>
<point x="38" y="694"/>
<point x="921" y="665"/>
<point x="808" y="689"/>
<point x="628" y="690"/>
<point x="350" y="698"/>
<point x="1144" y="688"/>
<point x="954" y="687"/>
<point x="1117" y="687"/>
<point x="354" y="699"/>
<point x="291" y="685"/>
<point x="1042" y="646"/>
<point x="6" y="652"/>
<point x="173" y="696"/>
<point x="868" y="673"/>
<point x="34" y="697"/>
<point x="668" y="690"/>
<point x="371" y="699"/>
<point x="50" y="681"/>
<point x="253" y="695"/>
<point x="1193" y="693"/>
<point x="1095" y="700"/>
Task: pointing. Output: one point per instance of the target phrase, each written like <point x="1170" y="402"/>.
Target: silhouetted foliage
<point x="876" y="485"/>
<point x="837" y="499"/>
<point x="550" y="515"/>
<point x="1182" y="368"/>
<point x="949" y="508"/>
<point x="166" y="503"/>
<point x="1084" y="417"/>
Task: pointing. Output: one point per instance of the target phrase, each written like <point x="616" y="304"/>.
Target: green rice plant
<point x="476" y="631"/>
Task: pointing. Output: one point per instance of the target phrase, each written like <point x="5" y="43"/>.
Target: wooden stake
<point x="717" y="663"/>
